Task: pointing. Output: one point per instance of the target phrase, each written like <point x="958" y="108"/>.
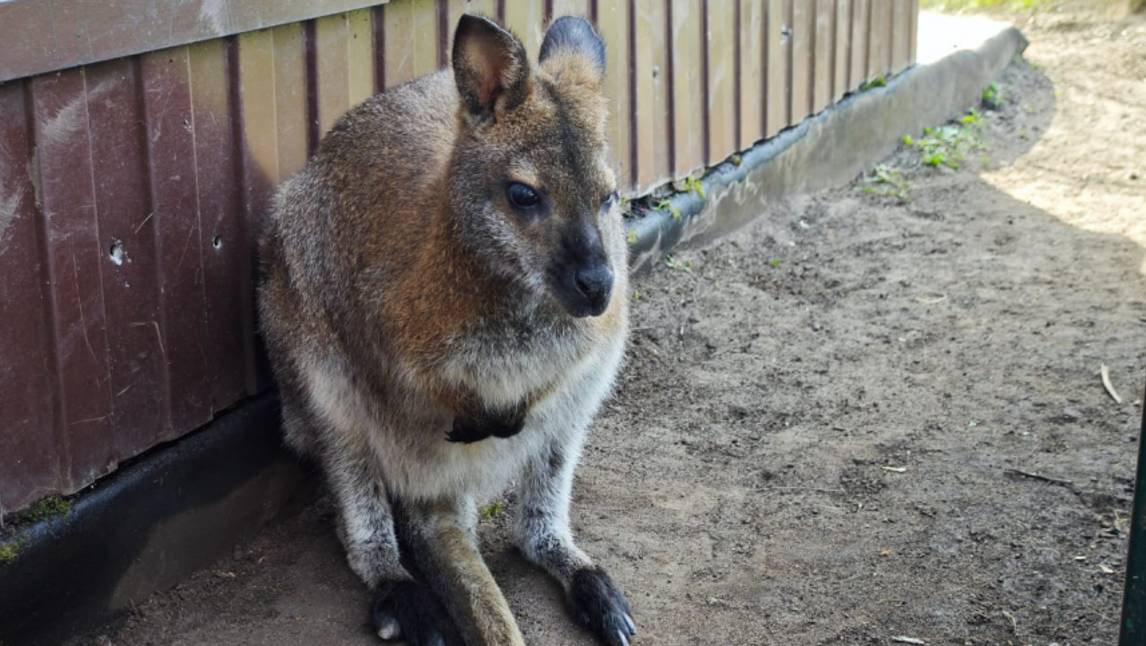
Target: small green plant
<point x="694" y="185"/>
<point x="948" y="145"/>
<point x="636" y="294"/>
<point x="775" y="262"/>
<point x="667" y="205"/>
<point x="492" y="510"/>
<point x="873" y="82"/>
<point x="672" y="262"/>
<point x="10" y="550"/>
<point x="887" y="182"/>
<point x="631" y="236"/>
<point x="972" y="118"/>
<point x="42" y="509"/>
<point x="908" y="140"/>
<point x="990" y="97"/>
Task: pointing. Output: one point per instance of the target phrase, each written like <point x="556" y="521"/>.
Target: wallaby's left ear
<point x="490" y="64"/>
<point x="574" y="35"/>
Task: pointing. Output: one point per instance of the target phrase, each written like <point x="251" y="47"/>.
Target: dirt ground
<point x="813" y="439"/>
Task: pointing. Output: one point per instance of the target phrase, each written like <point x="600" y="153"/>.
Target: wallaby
<point x="443" y="297"/>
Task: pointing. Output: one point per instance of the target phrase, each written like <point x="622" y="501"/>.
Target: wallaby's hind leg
<point x="402" y="607"/>
<point x="543" y="536"/>
<point x="443" y="544"/>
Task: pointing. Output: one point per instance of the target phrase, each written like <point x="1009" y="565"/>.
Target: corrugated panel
<point x="688" y="99"/>
<point x="751" y="77"/>
<point x="33" y="442"/>
<point x="130" y="190"/>
<point x="653" y="120"/>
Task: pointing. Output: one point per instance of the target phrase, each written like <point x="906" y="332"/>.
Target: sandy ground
<point x="812" y="440"/>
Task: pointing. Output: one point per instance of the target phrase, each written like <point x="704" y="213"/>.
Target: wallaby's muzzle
<point x="580" y="276"/>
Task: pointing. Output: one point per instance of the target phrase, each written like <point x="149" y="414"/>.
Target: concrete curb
<point x="179" y="508"/>
<point x="824" y="151"/>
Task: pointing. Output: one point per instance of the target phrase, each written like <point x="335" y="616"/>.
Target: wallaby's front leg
<point x="543" y="536"/>
<point x="443" y="543"/>
<point x="402" y="608"/>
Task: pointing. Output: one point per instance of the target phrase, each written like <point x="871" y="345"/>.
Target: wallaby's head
<point x="530" y="179"/>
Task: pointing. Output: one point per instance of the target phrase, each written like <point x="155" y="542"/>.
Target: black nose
<point x="595" y="284"/>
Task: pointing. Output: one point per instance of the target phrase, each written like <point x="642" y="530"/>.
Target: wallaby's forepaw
<point x="475" y="428"/>
<point x="408" y="611"/>
<point x="601" y="606"/>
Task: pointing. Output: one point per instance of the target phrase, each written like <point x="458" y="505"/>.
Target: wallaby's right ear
<point x="489" y="65"/>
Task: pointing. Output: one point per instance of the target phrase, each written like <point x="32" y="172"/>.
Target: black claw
<point x="601" y="606"/>
<point x="416" y="612"/>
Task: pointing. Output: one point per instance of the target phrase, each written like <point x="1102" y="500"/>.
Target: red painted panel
<point x="128" y="229"/>
<point x="75" y="255"/>
<point x="171" y="151"/>
<point x="225" y="244"/>
<point x="29" y="459"/>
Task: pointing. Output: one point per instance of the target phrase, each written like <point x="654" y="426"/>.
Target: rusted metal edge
<point x="41" y="36"/>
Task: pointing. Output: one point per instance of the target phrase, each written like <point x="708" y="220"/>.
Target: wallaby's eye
<point x="610" y="201"/>
<point x="521" y="196"/>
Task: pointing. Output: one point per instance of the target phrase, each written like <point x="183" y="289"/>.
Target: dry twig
<point x="1108" y="386"/>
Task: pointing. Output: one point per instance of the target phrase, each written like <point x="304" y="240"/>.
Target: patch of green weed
<point x="990" y="98"/>
<point x="672" y="262"/>
<point x="667" y="205"/>
<point x="10" y="550"/>
<point x="492" y="510"/>
<point x="887" y="182"/>
<point x="775" y="262"/>
<point x="43" y="509"/>
<point x="873" y="82"/>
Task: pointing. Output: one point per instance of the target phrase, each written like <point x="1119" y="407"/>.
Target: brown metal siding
<point x="131" y="189"/>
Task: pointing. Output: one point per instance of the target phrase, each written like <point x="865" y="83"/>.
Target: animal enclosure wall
<point x="140" y="140"/>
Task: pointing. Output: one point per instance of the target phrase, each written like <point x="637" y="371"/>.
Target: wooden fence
<point x="130" y="187"/>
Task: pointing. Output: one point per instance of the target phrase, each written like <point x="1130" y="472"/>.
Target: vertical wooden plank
<point x="75" y="253"/>
<point x="776" y="44"/>
<point x="526" y="18"/>
<point x="253" y="87"/>
<point x="901" y="20"/>
<point x="613" y="23"/>
<point x="652" y="121"/>
<point x="31" y="447"/>
<point x="721" y="43"/>
<point x="360" y="56"/>
<point x="174" y="201"/>
<point x="803" y="41"/>
<point x="411" y="43"/>
<point x="688" y="99"/>
<point x="332" y="66"/>
<point x="879" y="38"/>
<point x="131" y="288"/>
<point x="913" y="43"/>
<point x="843" y="43"/>
<point x="859" y="46"/>
<point x="290" y="97"/>
<point x="576" y="8"/>
<point x="823" y="55"/>
<point x="752" y="73"/>
<point x="224" y="240"/>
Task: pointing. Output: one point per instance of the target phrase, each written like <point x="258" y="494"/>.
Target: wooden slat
<point x="913" y="43"/>
<point x="879" y="38"/>
<point x="842" y="29"/>
<point x="901" y="23"/>
<point x="571" y="8"/>
<point x="332" y="66"/>
<point x="613" y="23"/>
<point x="688" y="101"/>
<point x="260" y="131"/>
<point x="487" y="8"/>
<point x="803" y="42"/>
<point x="174" y="200"/>
<point x="721" y="43"/>
<point x="752" y="74"/>
<point x="290" y="97"/>
<point x="131" y="288"/>
<point x="75" y="253"/>
<point x="526" y="19"/>
<point x="857" y="73"/>
<point x="225" y="243"/>
<point x="776" y="45"/>
<point x="652" y="123"/>
<point x="823" y="55"/>
<point x="411" y="43"/>
<point x="360" y="56"/>
<point x="32" y="445"/>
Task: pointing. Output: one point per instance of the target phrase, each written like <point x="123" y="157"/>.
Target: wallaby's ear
<point x="574" y="35"/>
<point x="489" y="64"/>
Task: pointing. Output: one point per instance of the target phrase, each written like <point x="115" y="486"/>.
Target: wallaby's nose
<point x="595" y="284"/>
